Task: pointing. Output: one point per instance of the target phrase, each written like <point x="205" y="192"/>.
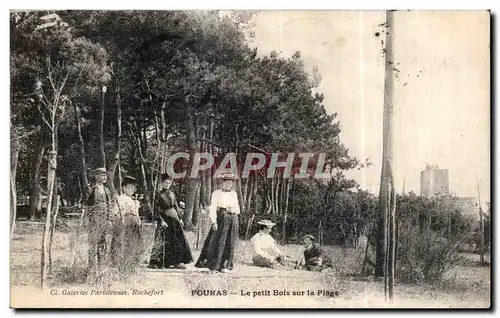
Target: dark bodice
<point x="314" y="251"/>
<point x="166" y="204"/>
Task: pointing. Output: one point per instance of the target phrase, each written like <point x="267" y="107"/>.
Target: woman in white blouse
<point x="266" y="251"/>
<point x="129" y="209"/>
<point x="218" y="250"/>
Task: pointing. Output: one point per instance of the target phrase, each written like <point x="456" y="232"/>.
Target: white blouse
<point x="223" y="199"/>
<point x="263" y="244"/>
<point x="128" y="205"/>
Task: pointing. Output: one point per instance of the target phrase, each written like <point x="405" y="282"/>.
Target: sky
<point x="442" y="95"/>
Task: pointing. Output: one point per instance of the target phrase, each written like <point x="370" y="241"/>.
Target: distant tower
<point x="434" y="181"/>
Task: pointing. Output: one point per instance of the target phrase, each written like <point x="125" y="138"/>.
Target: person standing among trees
<point x="129" y="207"/>
<point x="102" y="214"/>
<point x="218" y="250"/>
<point x="171" y="247"/>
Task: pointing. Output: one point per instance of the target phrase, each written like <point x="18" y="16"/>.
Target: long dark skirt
<point x="311" y="264"/>
<point x="171" y="247"/>
<point x="134" y="248"/>
<point x="218" y="249"/>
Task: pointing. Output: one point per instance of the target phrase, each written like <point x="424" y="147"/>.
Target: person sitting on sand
<point x="266" y="252"/>
<point x="314" y="258"/>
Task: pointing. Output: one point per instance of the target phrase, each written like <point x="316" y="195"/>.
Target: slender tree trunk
<point x="386" y="174"/>
<point x="13" y="188"/>
<point x="251" y="180"/>
<point x="282" y="194"/>
<point x="273" y="184"/>
<point x="138" y="144"/>
<point x="293" y="196"/>
<point x="196" y="207"/>
<point x="192" y="183"/>
<point x="118" y="139"/>
<point x="35" y="191"/>
<point x="83" y="171"/>
<point x="53" y="227"/>
<point x="203" y="177"/>
<point x="208" y="173"/>
<point x="254" y="206"/>
<point x="269" y="195"/>
<point x="115" y="162"/>
<point x="277" y="194"/>
<point x="52" y="166"/>
<point x="285" y="210"/>
<point x="241" y="200"/>
<point x="481" y="226"/>
<point x="13" y="204"/>
<point x="102" y="153"/>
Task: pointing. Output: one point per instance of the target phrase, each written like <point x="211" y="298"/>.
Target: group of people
<point x="267" y="254"/>
<point x="115" y="225"/>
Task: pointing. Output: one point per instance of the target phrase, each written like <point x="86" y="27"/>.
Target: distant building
<point x="467" y="206"/>
<point x="434" y="181"/>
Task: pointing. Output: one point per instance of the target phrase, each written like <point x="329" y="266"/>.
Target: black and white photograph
<point x="250" y="159"/>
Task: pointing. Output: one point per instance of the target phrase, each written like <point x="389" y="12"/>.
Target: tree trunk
<point x="35" y="191"/>
<point x="481" y="226"/>
<point x="53" y="226"/>
<point x="13" y="186"/>
<point x="118" y="139"/>
<point x="254" y="208"/>
<point x="386" y="174"/>
<point x="83" y="176"/>
<point x="115" y="162"/>
<point x="13" y="204"/>
<point x="209" y="178"/>
<point x="52" y="166"/>
<point x="285" y="210"/>
<point x="196" y="207"/>
<point x="293" y="196"/>
<point x="251" y="180"/>
<point x="192" y="183"/>
<point x="102" y="154"/>
<point x="203" y="177"/>
<point x="138" y="145"/>
<point x="277" y="195"/>
<point x="273" y="207"/>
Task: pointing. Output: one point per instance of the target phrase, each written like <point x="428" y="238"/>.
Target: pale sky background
<point x="441" y="117"/>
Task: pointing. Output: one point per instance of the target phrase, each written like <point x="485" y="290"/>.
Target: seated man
<point x="314" y="258"/>
<point x="266" y="252"/>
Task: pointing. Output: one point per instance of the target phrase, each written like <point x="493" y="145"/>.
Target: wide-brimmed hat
<point x="267" y="223"/>
<point x="182" y="205"/>
<point x="100" y="170"/>
<point x="165" y="176"/>
<point x="227" y="176"/>
<point x="129" y="180"/>
<point x="309" y="236"/>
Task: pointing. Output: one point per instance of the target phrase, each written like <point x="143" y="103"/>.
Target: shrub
<point x="425" y="256"/>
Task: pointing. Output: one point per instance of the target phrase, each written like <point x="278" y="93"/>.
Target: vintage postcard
<point x="250" y="159"/>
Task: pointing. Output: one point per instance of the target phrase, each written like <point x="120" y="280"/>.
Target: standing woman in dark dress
<point x="171" y="247"/>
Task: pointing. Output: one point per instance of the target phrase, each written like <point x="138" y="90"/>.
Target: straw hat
<point x="267" y="223"/>
<point x="227" y="176"/>
<point x="309" y="236"/>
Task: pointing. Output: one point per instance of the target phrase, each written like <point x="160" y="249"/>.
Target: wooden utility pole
<point x="387" y="197"/>
<point x="481" y="225"/>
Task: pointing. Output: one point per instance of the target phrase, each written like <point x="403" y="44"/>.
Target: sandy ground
<point x="247" y="287"/>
